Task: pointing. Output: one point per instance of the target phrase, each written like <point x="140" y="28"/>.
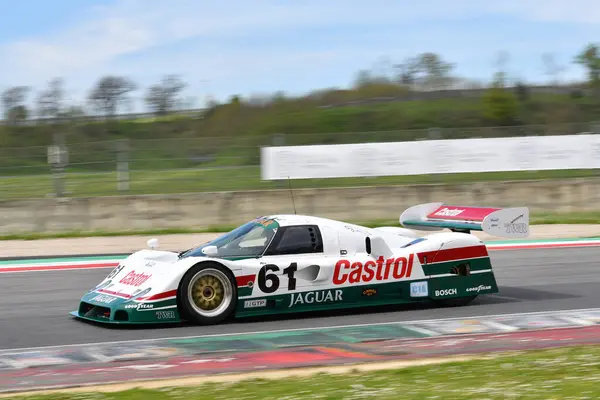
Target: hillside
<point x="231" y="134"/>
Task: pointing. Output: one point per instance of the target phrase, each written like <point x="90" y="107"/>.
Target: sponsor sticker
<point x="446" y="292"/>
<point x="369" y="292"/>
<point x="102" y="298"/>
<point x="165" y="315"/>
<point x="140" y="306"/>
<point x="322" y="296"/>
<point x="255" y="303"/>
<point x="115" y="271"/>
<point x="419" y="289"/>
<point x="478" y="288"/>
<point x="381" y="270"/>
<point x="517" y="227"/>
<point x="135" y="279"/>
<point x="447" y="212"/>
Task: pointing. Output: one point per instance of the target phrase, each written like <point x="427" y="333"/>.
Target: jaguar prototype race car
<point x="292" y="263"/>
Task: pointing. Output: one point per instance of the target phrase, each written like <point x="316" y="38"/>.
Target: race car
<point x="292" y="263"/>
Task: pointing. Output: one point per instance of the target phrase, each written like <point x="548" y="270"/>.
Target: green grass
<point x="535" y="219"/>
<point x="241" y="178"/>
<point x="564" y="373"/>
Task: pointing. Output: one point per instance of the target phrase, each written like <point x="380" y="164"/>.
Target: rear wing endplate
<point x="501" y="222"/>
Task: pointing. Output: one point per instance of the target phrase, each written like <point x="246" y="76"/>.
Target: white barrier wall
<point x="431" y="157"/>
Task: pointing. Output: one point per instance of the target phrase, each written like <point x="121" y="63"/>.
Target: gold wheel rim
<point x="208" y="292"/>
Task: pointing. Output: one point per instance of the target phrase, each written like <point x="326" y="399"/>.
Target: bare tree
<point x="50" y="101"/>
<point x="501" y="65"/>
<point x="436" y="71"/>
<point x="552" y="68"/>
<point x="110" y="93"/>
<point x="363" y="78"/>
<point x="408" y="71"/>
<point x="163" y="97"/>
<point x="12" y="103"/>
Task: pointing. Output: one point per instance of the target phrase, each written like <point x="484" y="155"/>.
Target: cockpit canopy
<point x="248" y="240"/>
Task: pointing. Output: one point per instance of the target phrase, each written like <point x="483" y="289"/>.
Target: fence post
<point x="58" y="157"/>
<point x="123" y="165"/>
<point x="278" y="139"/>
<point x="434" y="133"/>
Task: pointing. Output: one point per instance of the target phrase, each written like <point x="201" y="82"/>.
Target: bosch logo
<point x="445" y="292"/>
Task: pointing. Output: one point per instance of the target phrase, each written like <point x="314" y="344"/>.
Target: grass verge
<point x="576" y="218"/>
<point x="236" y="179"/>
<point x="567" y="372"/>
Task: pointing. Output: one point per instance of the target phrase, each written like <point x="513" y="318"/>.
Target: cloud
<point x="567" y="11"/>
<point x="131" y="26"/>
<point x="234" y="41"/>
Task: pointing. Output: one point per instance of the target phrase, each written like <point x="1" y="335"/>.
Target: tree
<point x="73" y="112"/>
<point x="363" y="78"/>
<point x="18" y="114"/>
<point x="49" y="101"/>
<point x="501" y="62"/>
<point x="12" y="103"/>
<point x="589" y="58"/>
<point x="163" y="97"/>
<point x="433" y="70"/>
<point x="501" y="105"/>
<point x="111" y="92"/>
<point x="522" y="92"/>
<point x="408" y="71"/>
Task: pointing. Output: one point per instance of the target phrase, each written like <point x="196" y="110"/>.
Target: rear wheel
<point x="208" y="294"/>
<point x="458" y="302"/>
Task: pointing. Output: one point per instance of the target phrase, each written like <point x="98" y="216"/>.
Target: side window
<point x="297" y="240"/>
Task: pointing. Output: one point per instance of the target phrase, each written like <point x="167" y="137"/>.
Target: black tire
<point x="457" y="302"/>
<point x="194" y="306"/>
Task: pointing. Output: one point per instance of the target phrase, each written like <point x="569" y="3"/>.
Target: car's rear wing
<point x="503" y="222"/>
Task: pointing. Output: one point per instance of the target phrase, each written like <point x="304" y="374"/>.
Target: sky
<point x="257" y="47"/>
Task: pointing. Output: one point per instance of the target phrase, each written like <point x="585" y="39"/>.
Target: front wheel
<point x="208" y="294"/>
<point x="457" y="302"/>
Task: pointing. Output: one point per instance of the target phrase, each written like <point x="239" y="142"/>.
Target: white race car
<point x="291" y="263"/>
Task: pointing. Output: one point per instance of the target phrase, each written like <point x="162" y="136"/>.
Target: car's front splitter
<point x="113" y="322"/>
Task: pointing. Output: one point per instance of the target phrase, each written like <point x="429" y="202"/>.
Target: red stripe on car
<point x="241" y="281"/>
<point x="453" y="254"/>
<point x="159" y="296"/>
<point x="244" y="280"/>
<point x="118" y="294"/>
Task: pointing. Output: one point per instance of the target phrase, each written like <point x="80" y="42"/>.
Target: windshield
<point x="248" y="240"/>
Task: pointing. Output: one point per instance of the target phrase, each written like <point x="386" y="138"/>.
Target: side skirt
<point x="446" y="286"/>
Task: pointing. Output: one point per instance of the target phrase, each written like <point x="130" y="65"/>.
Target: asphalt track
<point x="34" y="306"/>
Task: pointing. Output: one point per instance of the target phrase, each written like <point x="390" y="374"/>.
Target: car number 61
<point x="268" y="280"/>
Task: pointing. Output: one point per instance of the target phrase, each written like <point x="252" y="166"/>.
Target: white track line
<point x="72" y="266"/>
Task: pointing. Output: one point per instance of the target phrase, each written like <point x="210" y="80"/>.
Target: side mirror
<point x="210" y="251"/>
<point x="152" y="243"/>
